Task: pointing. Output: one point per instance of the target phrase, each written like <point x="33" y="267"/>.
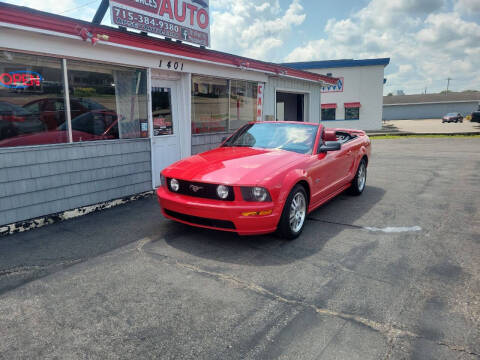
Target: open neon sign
<point x="20" y="79"/>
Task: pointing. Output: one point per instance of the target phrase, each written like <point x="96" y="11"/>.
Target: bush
<point x="84" y="92"/>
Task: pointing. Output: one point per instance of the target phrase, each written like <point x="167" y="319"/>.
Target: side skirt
<point x="328" y="197"/>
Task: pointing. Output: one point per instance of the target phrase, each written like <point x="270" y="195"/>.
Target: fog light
<point x="174" y="185"/>
<point x="222" y="191"/>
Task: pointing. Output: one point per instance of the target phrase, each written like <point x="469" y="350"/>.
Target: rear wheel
<point x="360" y="179"/>
<point x="294" y="214"/>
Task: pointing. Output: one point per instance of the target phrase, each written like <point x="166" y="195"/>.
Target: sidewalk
<point x="426" y="126"/>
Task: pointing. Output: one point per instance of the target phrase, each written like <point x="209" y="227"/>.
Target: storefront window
<point x="107" y="102"/>
<point x="243" y="103"/>
<point x="31" y="100"/>
<point x="328" y="114"/>
<point x="352" y="113"/>
<point x="209" y="105"/>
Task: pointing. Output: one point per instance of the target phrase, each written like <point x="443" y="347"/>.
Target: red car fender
<point x="361" y="153"/>
<point x="291" y="179"/>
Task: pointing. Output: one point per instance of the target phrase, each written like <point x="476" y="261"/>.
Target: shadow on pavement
<point x="269" y="249"/>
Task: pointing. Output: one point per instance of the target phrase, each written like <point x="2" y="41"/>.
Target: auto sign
<point x="185" y="20"/>
<point x="20" y="79"/>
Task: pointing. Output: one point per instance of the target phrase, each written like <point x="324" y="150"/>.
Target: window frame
<point x="352" y="118"/>
<point x="229" y="94"/>
<point x="66" y="98"/>
<point x="334" y="114"/>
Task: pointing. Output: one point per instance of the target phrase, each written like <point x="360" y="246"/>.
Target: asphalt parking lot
<point x="430" y="126"/>
<point x="392" y="274"/>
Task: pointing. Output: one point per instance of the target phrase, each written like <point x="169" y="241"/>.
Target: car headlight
<point x="255" y="193"/>
<point x="174" y="185"/>
<point x="222" y="191"/>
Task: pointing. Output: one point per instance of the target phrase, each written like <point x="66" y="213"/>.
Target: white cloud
<point x="54" y="6"/>
<point x="253" y="28"/>
<point x="426" y="41"/>
<point x="468" y="7"/>
<point x="71" y="8"/>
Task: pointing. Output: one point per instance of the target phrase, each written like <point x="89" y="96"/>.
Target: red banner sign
<point x="186" y="20"/>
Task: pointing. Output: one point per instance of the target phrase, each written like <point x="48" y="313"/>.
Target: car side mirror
<point x="329" y="146"/>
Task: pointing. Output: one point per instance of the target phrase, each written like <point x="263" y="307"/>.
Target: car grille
<point x="201" y="190"/>
<point x="221" y="224"/>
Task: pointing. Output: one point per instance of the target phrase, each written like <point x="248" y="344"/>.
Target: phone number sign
<point x="186" y="20"/>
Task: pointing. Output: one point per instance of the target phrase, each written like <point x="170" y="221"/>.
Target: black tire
<point x="285" y="228"/>
<point x="357" y="186"/>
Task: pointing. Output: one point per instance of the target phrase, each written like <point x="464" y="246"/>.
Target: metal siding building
<point x="428" y="106"/>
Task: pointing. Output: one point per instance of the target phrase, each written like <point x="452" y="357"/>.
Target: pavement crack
<point x="457" y="348"/>
<point x="389" y="330"/>
<point x="25" y="269"/>
<point x="335" y="223"/>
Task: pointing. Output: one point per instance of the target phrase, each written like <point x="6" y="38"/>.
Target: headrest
<point x="330" y="135"/>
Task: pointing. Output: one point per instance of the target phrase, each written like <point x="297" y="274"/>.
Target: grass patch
<point x="388" y="136"/>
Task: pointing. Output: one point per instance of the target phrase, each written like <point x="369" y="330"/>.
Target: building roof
<point x="431" y="98"/>
<point x="325" y="64"/>
<point x="34" y="20"/>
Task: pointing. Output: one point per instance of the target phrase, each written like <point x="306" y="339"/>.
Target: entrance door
<point x="165" y="134"/>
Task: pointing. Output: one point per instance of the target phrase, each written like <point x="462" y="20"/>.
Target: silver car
<point x="452" y="117"/>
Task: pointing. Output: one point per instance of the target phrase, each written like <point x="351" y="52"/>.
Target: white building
<point x="357" y="100"/>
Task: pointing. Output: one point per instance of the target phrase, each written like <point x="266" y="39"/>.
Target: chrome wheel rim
<point x="298" y="211"/>
<point x="362" y="176"/>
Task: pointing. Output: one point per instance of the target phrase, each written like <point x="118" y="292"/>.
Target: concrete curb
<point x="30" y="224"/>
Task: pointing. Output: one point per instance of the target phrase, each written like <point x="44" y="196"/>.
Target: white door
<point x="165" y="134"/>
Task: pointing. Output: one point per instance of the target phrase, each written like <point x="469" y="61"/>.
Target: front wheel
<point x="360" y="179"/>
<point x="294" y="214"/>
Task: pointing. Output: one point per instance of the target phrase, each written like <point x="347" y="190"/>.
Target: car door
<point x="329" y="171"/>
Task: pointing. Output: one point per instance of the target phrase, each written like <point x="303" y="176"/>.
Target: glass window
<point x="243" y="103"/>
<point x="107" y="101"/>
<point x="209" y="104"/>
<point x="352" y="113"/>
<point x="162" y="111"/>
<point x="30" y="87"/>
<point x="329" y="114"/>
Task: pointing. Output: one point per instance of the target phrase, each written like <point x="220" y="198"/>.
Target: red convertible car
<point x="267" y="176"/>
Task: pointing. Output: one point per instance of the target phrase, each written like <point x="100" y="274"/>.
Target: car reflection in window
<point x="15" y="120"/>
<point x="94" y="125"/>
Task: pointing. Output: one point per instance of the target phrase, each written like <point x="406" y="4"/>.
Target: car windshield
<point x="451" y="114"/>
<point x="298" y="138"/>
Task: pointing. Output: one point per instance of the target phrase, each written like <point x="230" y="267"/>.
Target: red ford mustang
<point x="267" y="176"/>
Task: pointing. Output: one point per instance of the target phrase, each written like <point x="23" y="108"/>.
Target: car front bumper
<point x="219" y="215"/>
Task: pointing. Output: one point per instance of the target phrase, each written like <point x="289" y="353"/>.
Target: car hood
<point x="233" y="165"/>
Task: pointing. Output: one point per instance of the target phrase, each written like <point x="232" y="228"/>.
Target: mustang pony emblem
<point x="195" y="188"/>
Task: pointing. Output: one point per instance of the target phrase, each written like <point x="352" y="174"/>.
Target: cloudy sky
<point x="428" y="41"/>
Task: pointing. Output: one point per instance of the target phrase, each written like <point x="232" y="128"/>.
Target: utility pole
<point x="448" y="85"/>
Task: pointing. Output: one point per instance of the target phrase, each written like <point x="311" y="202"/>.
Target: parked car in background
<point x="52" y="110"/>
<point x="94" y="125"/>
<point x="452" y="117"/>
<point x="15" y="120"/>
<point x="267" y="176"/>
<point x="476" y="115"/>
